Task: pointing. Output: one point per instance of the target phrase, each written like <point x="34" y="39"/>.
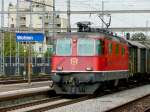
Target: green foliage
<point x="138" y="37"/>
<point x="10" y="37"/>
<point x="48" y="53"/>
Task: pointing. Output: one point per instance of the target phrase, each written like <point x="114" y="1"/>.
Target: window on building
<point x="40" y="17"/>
<point x="46" y="33"/>
<point x="12" y="19"/>
<point x="46" y="24"/>
<point x="37" y="5"/>
<point x="57" y="16"/>
<point x="12" y="25"/>
<point x="58" y="25"/>
<point x="22" y="26"/>
<point x="47" y="16"/>
<point x="40" y="49"/>
<point x="23" y="18"/>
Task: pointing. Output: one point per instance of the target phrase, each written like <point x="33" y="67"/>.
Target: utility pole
<point x="17" y="44"/>
<point x="43" y="30"/>
<point x="53" y="20"/>
<point x="68" y="16"/>
<point x="29" y="48"/>
<point x="147" y="27"/>
<point x="43" y="4"/>
<point x="10" y="55"/>
<point x="103" y="13"/>
<point x="10" y="47"/>
<point x="2" y="40"/>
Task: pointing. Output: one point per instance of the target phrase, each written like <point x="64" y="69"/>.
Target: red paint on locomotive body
<point x="78" y="64"/>
<point x="85" y="60"/>
<point x="113" y="57"/>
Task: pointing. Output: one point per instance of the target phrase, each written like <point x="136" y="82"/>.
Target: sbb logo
<point x="74" y="61"/>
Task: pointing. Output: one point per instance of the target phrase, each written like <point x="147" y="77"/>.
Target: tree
<point x="138" y="37"/>
<point x="10" y="37"/>
<point x="48" y="53"/>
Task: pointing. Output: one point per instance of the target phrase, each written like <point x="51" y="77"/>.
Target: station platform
<point x="13" y="87"/>
<point x="23" y="88"/>
<point x="104" y="103"/>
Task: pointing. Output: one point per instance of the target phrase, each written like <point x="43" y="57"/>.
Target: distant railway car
<point x="137" y="57"/>
<point x="147" y="56"/>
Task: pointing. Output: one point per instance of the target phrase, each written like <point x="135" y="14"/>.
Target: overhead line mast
<point x="2" y="70"/>
<point x="68" y="16"/>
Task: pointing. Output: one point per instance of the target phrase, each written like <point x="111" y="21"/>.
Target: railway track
<point x="51" y="103"/>
<point x="43" y="104"/>
<point x="32" y="103"/>
<point x="19" y="79"/>
<point x="147" y="110"/>
<point x="125" y="107"/>
<point x="14" y="99"/>
<point x="48" y="102"/>
<point x="23" y="81"/>
<point x="54" y="104"/>
<point x="34" y="99"/>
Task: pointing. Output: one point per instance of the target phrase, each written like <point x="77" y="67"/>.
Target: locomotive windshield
<point x="86" y="47"/>
<point x="63" y="47"/>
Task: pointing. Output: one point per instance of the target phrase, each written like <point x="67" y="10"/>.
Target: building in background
<point x="39" y="22"/>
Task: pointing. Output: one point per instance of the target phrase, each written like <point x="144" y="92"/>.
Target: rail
<point x="19" y="79"/>
<point x="129" y="103"/>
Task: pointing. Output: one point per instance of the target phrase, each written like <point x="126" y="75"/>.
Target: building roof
<point x="146" y="44"/>
<point x="135" y="43"/>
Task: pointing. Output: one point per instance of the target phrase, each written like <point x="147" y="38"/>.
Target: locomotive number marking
<point x="74" y="61"/>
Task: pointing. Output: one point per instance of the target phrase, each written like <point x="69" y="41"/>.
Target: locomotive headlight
<point x="74" y="41"/>
<point x="89" y="69"/>
<point x="59" y="68"/>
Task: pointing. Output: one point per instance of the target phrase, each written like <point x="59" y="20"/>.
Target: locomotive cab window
<point x="98" y="47"/>
<point x="63" y="47"/>
<point x="86" y="47"/>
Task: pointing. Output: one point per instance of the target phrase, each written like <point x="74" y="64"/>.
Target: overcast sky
<point x="118" y="20"/>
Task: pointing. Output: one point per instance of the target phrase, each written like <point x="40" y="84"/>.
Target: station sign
<point x="29" y="37"/>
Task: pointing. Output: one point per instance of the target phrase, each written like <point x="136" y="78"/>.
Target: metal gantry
<point x="68" y="16"/>
<point x="54" y="14"/>
<point x="17" y="44"/>
<point x="115" y="29"/>
<point x="81" y="12"/>
<point x="29" y="48"/>
<point x="2" y="40"/>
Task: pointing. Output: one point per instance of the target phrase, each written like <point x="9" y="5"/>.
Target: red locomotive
<point x="84" y="60"/>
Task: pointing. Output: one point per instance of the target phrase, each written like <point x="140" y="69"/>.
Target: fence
<point x="39" y="65"/>
<point x="13" y="55"/>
